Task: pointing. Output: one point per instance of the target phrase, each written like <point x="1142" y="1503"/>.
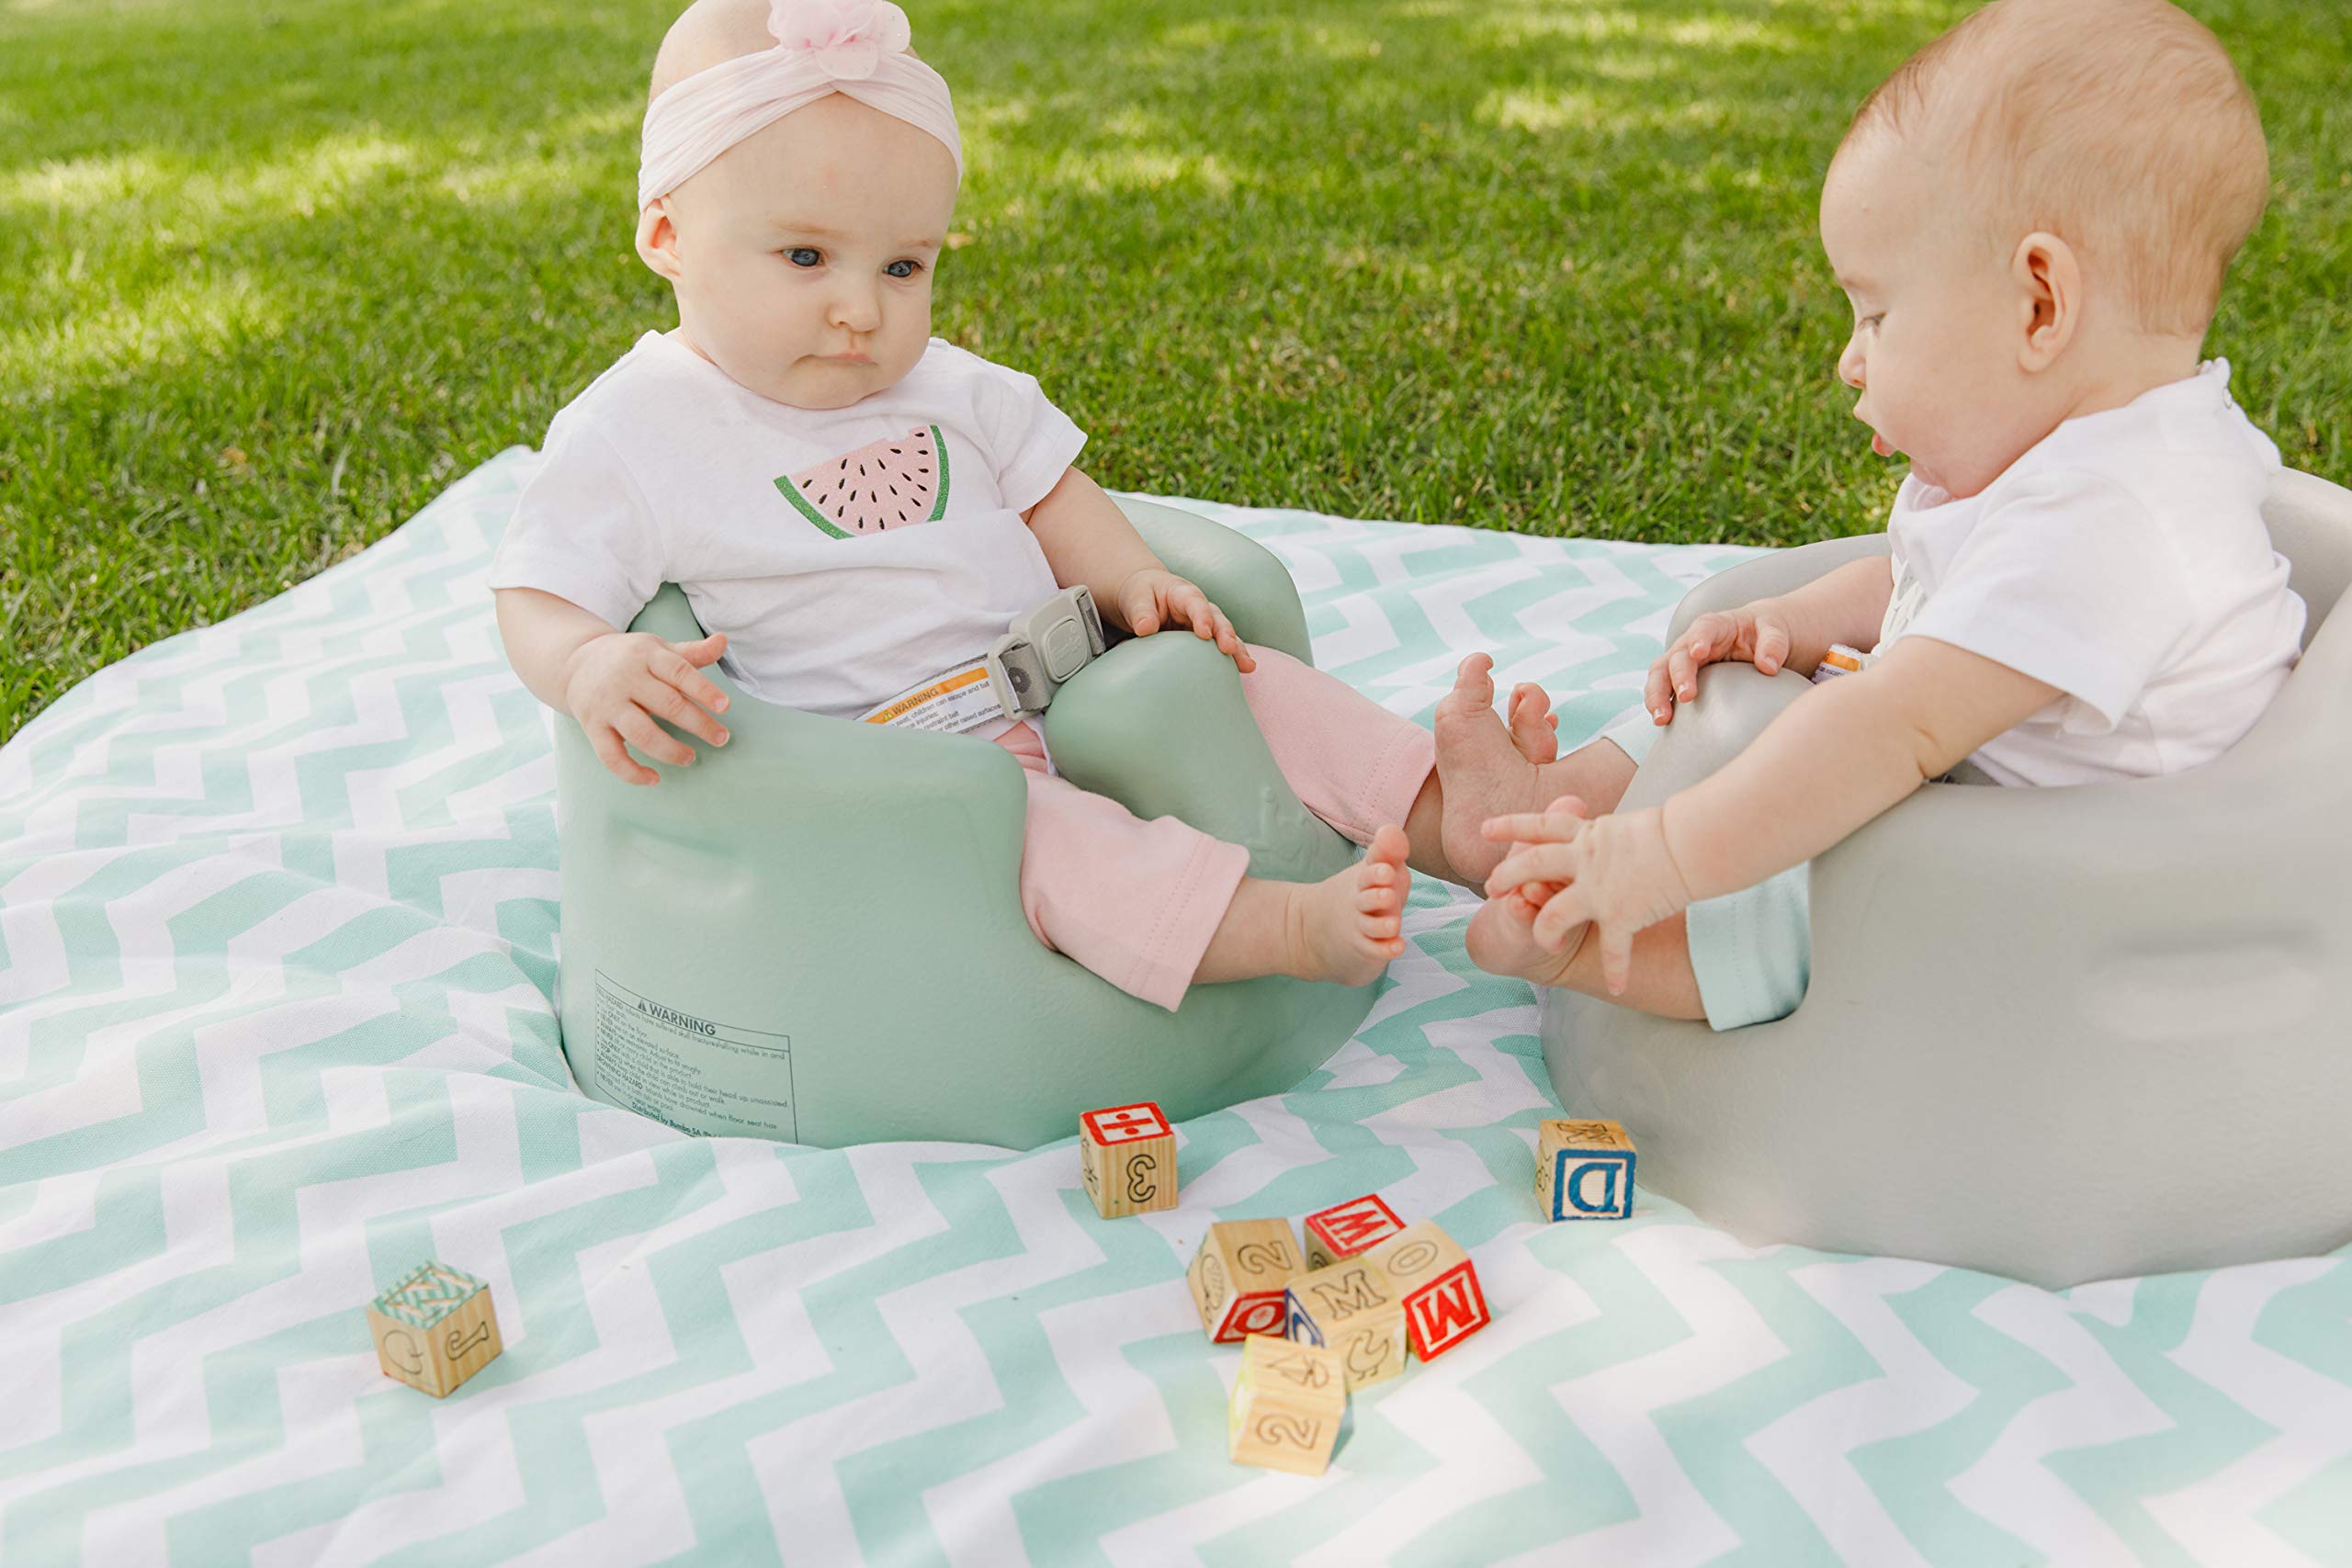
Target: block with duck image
<point x="1351" y="1307"/>
<point x="435" y="1328"/>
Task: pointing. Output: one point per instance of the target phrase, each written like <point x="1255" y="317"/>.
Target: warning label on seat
<point x="695" y="1073"/>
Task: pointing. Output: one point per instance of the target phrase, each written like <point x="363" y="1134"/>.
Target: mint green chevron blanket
<point x="276" y="931"/>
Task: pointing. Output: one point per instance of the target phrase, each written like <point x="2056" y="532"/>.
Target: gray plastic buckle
<point x="1043" y="648"/>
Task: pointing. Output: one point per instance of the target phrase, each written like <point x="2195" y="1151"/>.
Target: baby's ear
<point x="657" y="239"/>
<point x="2049" y="282"/>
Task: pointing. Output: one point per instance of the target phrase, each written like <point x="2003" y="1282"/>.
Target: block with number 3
<point x="1127" y="1159"/>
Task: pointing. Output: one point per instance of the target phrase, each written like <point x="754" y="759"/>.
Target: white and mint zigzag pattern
<point x="277" y="931"/>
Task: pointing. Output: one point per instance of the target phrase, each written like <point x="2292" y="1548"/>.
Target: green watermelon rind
<point x="800" y="503"/>
<point x="939" y="448"/>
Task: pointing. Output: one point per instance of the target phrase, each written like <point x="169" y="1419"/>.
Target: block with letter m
<point x="1346" y="1229"/>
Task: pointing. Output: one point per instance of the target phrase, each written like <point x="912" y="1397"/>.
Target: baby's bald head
<point x="2120" y="125"/>
<point x="708" y="33"/>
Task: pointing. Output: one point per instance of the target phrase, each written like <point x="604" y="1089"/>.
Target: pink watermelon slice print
<point x="884" y="484"/>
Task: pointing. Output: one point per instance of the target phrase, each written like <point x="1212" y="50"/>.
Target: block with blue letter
<point x="1584" y="1171"/>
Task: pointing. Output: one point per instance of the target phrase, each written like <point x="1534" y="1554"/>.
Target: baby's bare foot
<point x="1487" y="767"/>
<point x="1483" y="773"/>
<point x="1346" y="927"/>
<point x="1501" y="940"/>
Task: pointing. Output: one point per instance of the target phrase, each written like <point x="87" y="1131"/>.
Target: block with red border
<point x="1126" y="1156"/>
<point x="1343" y="1229"/>
<point x="1239" y="1275"/>
<point x="1439" y="1286"/>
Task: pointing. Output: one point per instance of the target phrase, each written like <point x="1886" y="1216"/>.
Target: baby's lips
<point x="1879" y="444"/>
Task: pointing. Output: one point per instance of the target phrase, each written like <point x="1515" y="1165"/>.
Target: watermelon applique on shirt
<point x="884" y="484"/>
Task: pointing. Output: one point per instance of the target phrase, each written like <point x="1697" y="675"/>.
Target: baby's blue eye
<point x="805" y="255"/>
<point x="903" y="268"/>
<point x="1871" y="322"/>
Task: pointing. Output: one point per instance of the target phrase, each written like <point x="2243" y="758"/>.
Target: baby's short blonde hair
<point x="2120" y="125"/>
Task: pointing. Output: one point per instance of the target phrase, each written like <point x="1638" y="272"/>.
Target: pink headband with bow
<point x="853" y="46"/>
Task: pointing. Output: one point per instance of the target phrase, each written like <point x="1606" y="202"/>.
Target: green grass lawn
<point x="272" y="275"/>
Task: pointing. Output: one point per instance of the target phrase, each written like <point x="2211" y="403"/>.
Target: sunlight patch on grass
<point x="168" y="323"/>
<point x="1542" y="112"/>
<point x="1728" y="32"/>
<point x="78" y="185"/>
<point x="1142" y="168"/>
<point x="316" y="175"/>
<point x="516" y="178"/>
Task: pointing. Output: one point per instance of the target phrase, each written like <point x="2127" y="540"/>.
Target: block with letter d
<point x="1127" y="1159"/>
<point x="1437" y="1285"/>
<point x="1584" y="1171"/>
<point x="1238" y="1276"/>
<point x="1343" y="1229"/>
<point x="433" y="1328"/>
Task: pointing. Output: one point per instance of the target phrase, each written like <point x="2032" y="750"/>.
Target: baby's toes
<point x="1473" y="683"/>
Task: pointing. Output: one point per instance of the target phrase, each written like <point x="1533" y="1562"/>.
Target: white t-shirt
<point x="2122" y="559"/>
<point x="848" y="554"/>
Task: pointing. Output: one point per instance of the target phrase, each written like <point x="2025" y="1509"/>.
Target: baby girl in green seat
<point x="855" y="508"/>
<point x="2032" y="218"/>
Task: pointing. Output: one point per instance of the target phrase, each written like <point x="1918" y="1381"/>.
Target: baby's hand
<point x="1756" y="634"/>
<point x="1614" y="873"/>
<point x="618" y="683"/>
<point x="1154" y="597"/>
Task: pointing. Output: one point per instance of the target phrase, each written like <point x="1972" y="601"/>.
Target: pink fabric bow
<point x="845" y="39"/>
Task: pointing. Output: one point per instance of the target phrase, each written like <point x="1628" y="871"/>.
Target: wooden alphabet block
<point x="1351" y="1306"/>
<point x="1287" y="1405"/>
<point x="1437" y="1284"/>
<point x="435" y="1328"/>
<point x="1346" y="1229"/>
<point x="1238" y="1276"/>
<point x="1127" y="1157"/>
<point x="1584" y="1171"/>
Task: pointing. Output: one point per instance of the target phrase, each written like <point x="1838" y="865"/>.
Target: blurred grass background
<point x="272" y="275"/>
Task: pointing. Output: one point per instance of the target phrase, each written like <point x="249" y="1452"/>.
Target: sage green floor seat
<point x="2061" y="1035"/>
<point x="814" y="933"/>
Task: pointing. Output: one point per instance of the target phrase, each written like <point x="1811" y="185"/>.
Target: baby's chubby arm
<point x="613" y="683"/>
<point x="1834" y="759"/>
<point x="1089" y="541"/>
<point x="1795" y="629"/>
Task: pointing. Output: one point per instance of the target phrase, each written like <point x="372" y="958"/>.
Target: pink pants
<point x="1137" y="902"/>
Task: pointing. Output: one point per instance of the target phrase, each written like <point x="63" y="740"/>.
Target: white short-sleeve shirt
<point x="2123" y="559"/>
<point x="848" y="554"/>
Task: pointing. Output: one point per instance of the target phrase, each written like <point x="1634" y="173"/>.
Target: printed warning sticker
<point x="960" y="700"/>
<point x="695" y="1073"/>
